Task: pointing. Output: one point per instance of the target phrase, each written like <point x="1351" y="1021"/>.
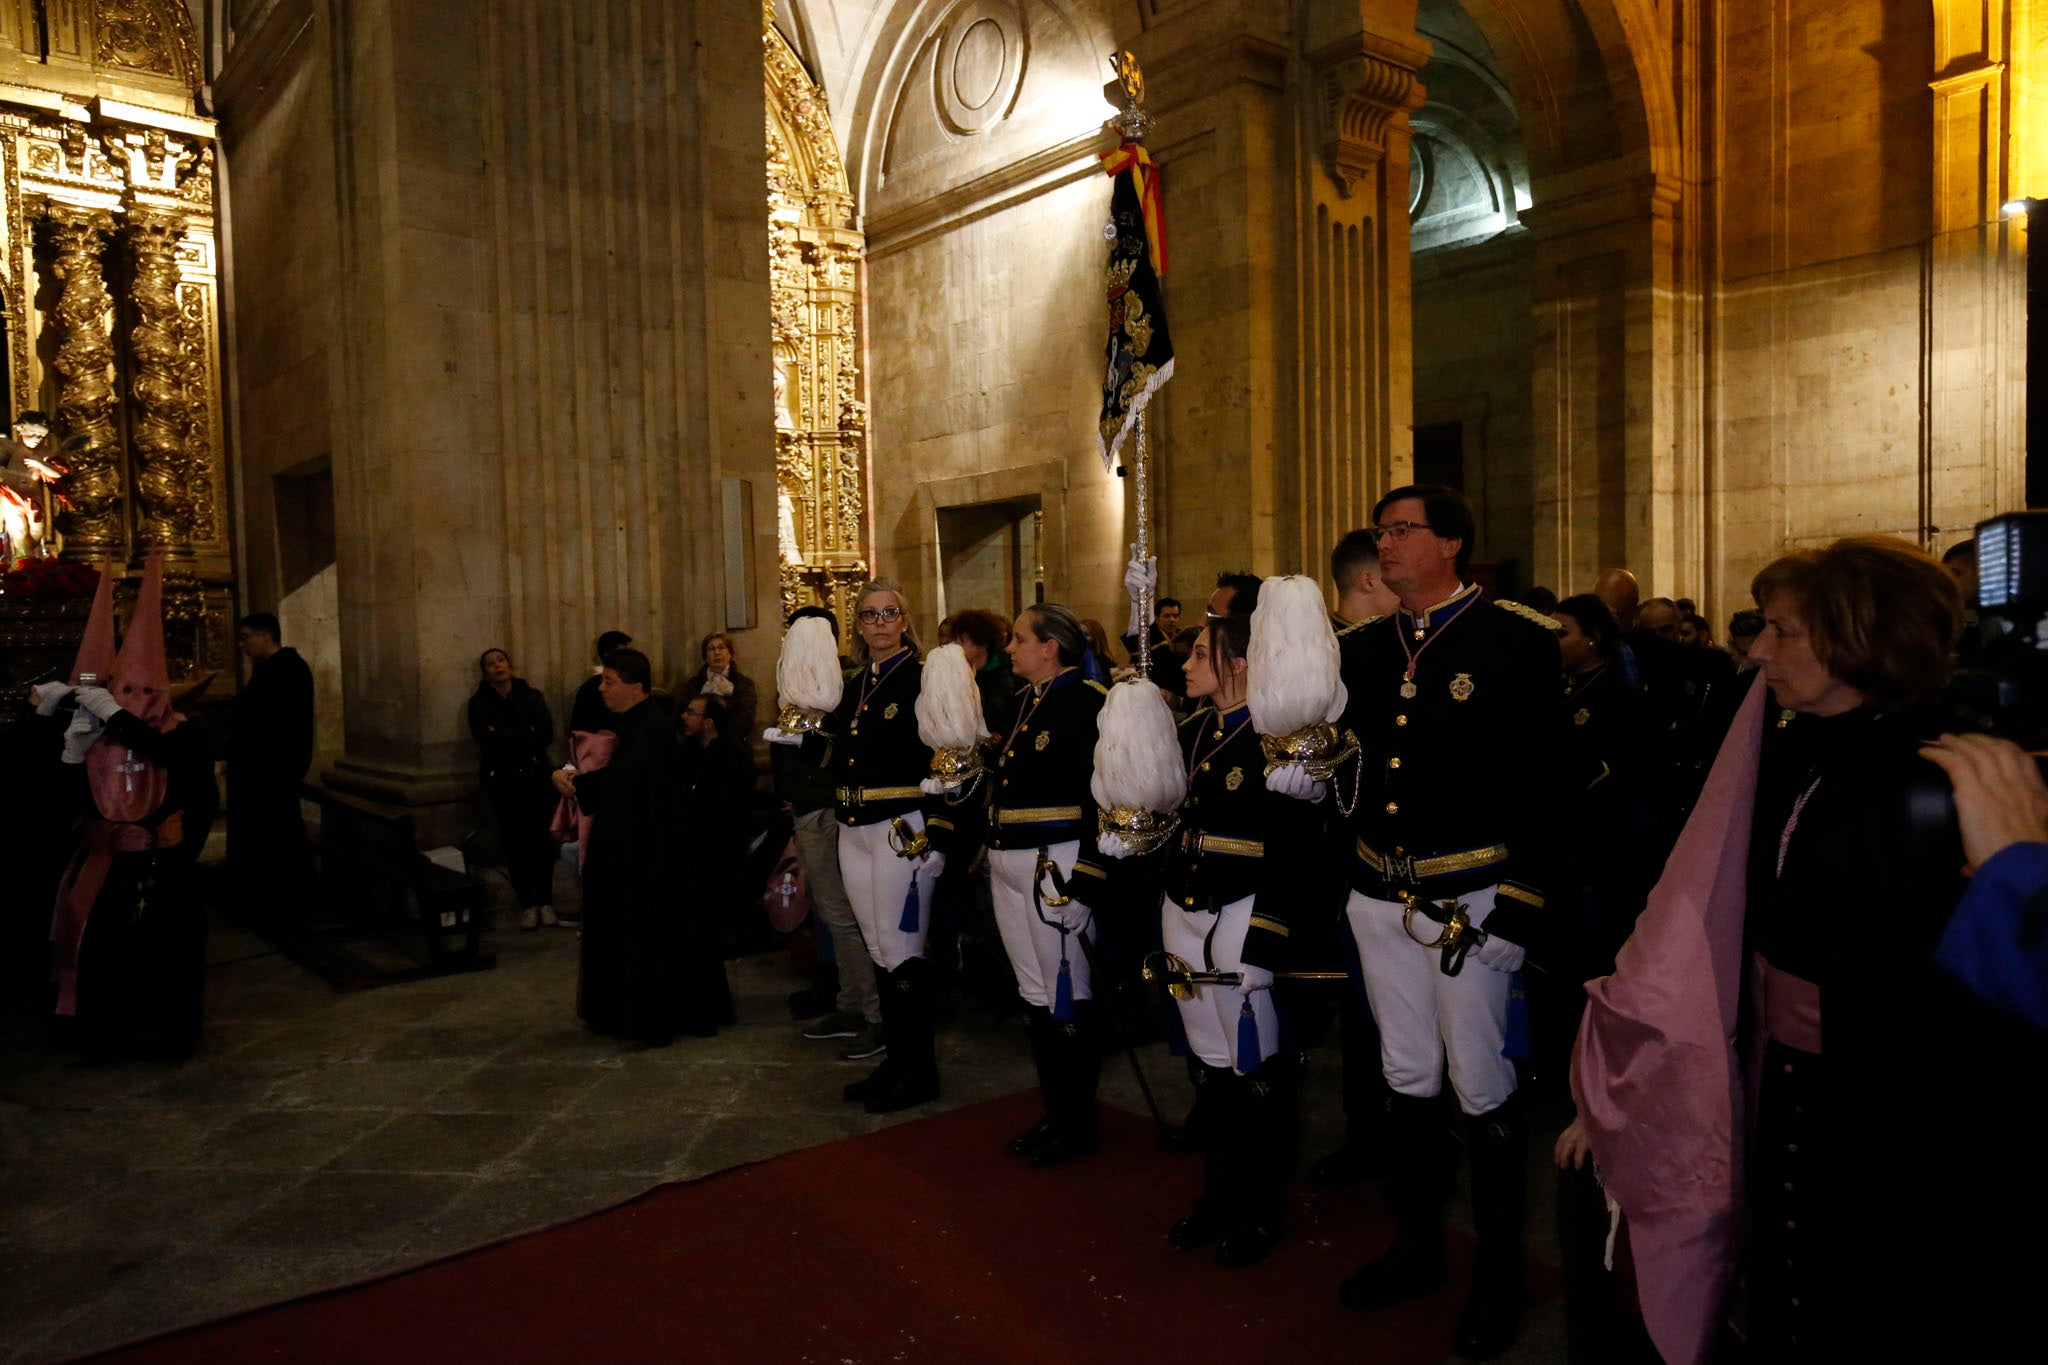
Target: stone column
<point x="162" y="415"/>
<point x="85" y="392"/>
<point x="1283" y="134"/>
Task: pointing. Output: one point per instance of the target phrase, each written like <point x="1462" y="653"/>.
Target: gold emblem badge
<point x="1582" y="717"/>
<point x="889" y="711"/>
<point x="1461" y="687"/>
<point x="1235" y="780"/>
<point x="1044" y="738"/>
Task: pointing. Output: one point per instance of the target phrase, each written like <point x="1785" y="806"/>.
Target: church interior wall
<point x="1474" y="332"/>
<point x="1825" y="195"/>
<point x="984" y="209"/>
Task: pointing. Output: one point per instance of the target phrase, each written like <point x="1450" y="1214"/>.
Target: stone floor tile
<point x="367" y="1085"/>
<point x="345" y="1209"/>
<point x="286" y="1139"/>
<point x="645" y="1141"/>
<point x="455" y="1143"/>
<point x="535" y="1089"/>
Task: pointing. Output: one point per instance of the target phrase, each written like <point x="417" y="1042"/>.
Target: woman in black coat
<point x="720" y="677"/>
<point x="510" y="722"/>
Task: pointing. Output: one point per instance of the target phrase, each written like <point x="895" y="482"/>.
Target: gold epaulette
<point x="1355" y="625"/>
<point x="1531" y="614"/>
<point x="1196" y="718"/>
<point x="1105" y="691"/>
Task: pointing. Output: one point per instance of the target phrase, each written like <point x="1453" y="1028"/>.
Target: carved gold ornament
<point x="1318" y="748"/>
<point x="1142" y="831"/>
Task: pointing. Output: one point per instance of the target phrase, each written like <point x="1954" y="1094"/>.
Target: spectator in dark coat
<point x="720" y="677"/>
<point x="270" y="748"/>
<point x="588" y="712"/>
<point x="510" y="722"/>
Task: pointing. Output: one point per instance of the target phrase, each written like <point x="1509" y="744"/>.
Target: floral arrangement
<point x="48" y="579"/>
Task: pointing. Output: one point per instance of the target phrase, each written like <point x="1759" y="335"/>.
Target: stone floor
<point x="318" y="1138"/>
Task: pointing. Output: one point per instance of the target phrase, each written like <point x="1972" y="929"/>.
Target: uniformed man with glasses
<point x="1456" y="704"/>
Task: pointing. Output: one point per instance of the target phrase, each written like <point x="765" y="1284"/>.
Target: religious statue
<point x="783" y="420"/>
<point x="27" y="504"/>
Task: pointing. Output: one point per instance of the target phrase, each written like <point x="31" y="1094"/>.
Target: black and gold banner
<point x="1139" y="354"/>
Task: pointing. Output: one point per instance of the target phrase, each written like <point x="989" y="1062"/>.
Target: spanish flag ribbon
<point x="1132" y="157"/>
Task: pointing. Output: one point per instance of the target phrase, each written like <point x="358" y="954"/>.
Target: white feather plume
<point x="1137" y="752"/>
<point x="807" y="673"/>
<point x="948" y="702"/>
<point x="1292" y="666"/>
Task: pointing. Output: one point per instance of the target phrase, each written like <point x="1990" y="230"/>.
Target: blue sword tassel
<point x="1248" y="1056"/>
<point x="1063" y="993"/>
<point x="908" y="924"/>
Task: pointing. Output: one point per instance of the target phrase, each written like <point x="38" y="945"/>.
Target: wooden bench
<point x="375" y="875"/>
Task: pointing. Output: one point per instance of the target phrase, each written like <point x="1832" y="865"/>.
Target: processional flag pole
<point x="1139" y="355"/>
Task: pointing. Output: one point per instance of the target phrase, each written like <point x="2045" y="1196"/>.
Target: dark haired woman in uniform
<point x="1214" y="919"/>
<point x="1040" y="808"/>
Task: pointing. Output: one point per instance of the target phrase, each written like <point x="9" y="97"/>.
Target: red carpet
<point x="924" y="1242"/>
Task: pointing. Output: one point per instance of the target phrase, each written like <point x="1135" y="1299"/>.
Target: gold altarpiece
<point x="110" y="293"/>
<point x="815" y="283"/>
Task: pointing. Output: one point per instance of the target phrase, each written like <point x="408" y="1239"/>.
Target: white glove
<point x="85" y="728"/>
<point x="934" y="863"/>
<point x="1292" y="779"/>
<point x="774" y="735"/>
<point x="1073" y="916"/>
<point x="1250" y="978"/>
<point x="99" y="701"/>
<point x="48" y="695"/>
<point x="1141" y="582"/>
<point x="1499" y="954"/>
<point x="1112" y="845"/>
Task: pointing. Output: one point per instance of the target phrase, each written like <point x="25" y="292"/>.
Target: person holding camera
<point x="1996" y="943"/>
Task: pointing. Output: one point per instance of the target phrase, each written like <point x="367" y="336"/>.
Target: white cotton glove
<point x="774" y="735"/>
<point x="1250" y="978"/>
<point x="1500" y="954"/>
<point x="48" y="696"/>
<point x="79" y="736"/>
<point x="1112" y="846"/>
<point x="99" y="701"/>
<point x="934" y="863"/>
<point x="1073" y="916"/>
<point x="1292" y="779"/>
<point x="1141" y="581"/>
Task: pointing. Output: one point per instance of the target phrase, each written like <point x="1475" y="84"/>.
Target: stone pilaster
<point x="1283" y="134"/>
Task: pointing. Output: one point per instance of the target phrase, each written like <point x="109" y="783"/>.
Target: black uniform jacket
<point x="1038" y="786"/>
<point x="870" y="748"/>
<point x="1458" y="787"/>
<point x="1232" y="829"/>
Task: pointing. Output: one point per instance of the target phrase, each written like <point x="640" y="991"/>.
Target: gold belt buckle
<point x="1400" y="868"/>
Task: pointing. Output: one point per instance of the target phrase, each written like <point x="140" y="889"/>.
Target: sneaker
<point x="868" y="1044"/>
<point x="837" y="1024"/>
<point x="548" y="916"/>
<point x="531" y="919"/>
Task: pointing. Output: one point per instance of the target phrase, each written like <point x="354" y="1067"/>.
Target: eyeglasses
<point x="869" y="616"/>
<point x="1399" y="531"/>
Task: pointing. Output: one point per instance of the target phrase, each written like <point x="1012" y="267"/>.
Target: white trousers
<point x="1034" y="946"/>
<point x="1424" y="1016"/>
<point x="1213" y="1015"/>
<point x="877" y="883"/>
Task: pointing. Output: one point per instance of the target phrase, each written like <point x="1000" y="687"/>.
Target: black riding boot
<point x="1414" y="1264"/>
<point x="1038" y="1024"/>
<point x="915" y="1045"/>
<point x="1070" y="1099"/>
<point x="1498" y="1151"/>
<point x="1217" y="1099"/>
<point x="892" y="1038"/>
<point x="1366" y="1093"/>
<point x="1264" y="1157"/>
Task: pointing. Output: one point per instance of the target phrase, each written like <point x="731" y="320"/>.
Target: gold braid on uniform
<point x="1531" y="614"/>
<point x="1355" y="625"/>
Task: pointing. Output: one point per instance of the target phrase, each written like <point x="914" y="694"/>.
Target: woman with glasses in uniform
<point x="870" y="749"/>
<point x="1041" y="811"/>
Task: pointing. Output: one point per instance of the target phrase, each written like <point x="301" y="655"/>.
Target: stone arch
<point x="1587" y="77"/>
